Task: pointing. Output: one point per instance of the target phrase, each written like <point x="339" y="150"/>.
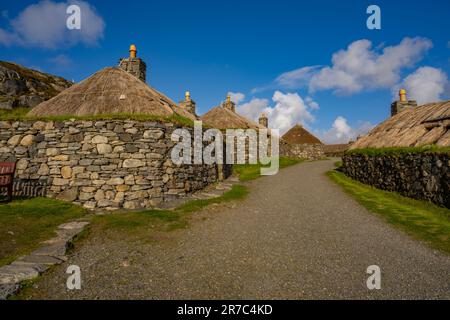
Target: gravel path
<point x="296" y="236"/>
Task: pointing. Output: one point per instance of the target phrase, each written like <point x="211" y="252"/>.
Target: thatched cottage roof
<point x="109" y="91"/>
<point x="299" y="135"/>
<point x="222" y="118"/>
<point x="413" y="127"/>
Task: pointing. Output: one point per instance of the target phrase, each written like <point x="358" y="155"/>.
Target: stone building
<point x="134" y="65"/>
<point x="113" y="160"/>
<point x="299" y="135"/>
<point x="412" y="126"/>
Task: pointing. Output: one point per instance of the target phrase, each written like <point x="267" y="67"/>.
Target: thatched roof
<point x="299" y="135"/>
<point x="222" y="118"/>
<point x="413" y="127"/>
<point x="109" y="91"/>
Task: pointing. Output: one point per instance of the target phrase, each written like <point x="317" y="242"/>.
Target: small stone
<point x="60" y="182"/>
<point x="66" y="172"/>
<point x="99" y="195"/>
<point x="99" y="139"/>
<point x="51" y="152"/>
<point x="27" y="140"/>
<point x="103" y="148"/>
<point x="22" y="164"/>
<point x="133" y="163"/>
<point x="115" y="181"/>
<point x="68" y="195"/>
<point x="14" y="140"/>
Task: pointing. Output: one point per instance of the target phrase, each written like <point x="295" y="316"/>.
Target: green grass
<point x="20" y="114"/>
<point x="138" y="223"/>
<point x="422" y="220"/>
<point x="248" y="172"/>
<point x="26" y="223"/>
<point x="399" y="150"/>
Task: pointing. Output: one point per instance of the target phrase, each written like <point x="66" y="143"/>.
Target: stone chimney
<point x="188" y="104"/>
<point x="263" y="120"/>
<point x="132" y="64"/>
<point x="228" y="104"/>
<point x="403" y="103"/>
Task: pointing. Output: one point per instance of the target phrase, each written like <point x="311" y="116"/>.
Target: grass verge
<point x="26" y="223"/>
<point x="20" y="114"/>
<point x="248" y="172"/>
<point x="422" y="220"/>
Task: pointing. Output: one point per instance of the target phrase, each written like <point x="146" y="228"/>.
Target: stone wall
<point x="424" y="176"/>
<point x="301" y="151"/>
<point x="103" y="164"/>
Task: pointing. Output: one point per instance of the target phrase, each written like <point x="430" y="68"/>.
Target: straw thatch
<point x="299" y="135"/>
<point x="110" y="91"/>
<point x="413" y="127"/>
<point x="222" y="118"/>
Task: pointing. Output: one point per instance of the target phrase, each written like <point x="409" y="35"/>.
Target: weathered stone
<point x="51" y="152"/>
<point x="27" y="140"/>
<point x="133" y="163"/>
<point x="115" y="181"/>
<point x="100" y="139"/>
<point x="103" y="148"/>
<point x="66" y="172"/>
<point x="43" y="170"/>
<point x="99" y="195"/>
<point x="153" y="134"/>
<point x="15" y="274"/>
<point x="14" y="140"/>
<point x="60" y="182"/>
<point x="22" y="164"/>
<point x="68" y="195"/>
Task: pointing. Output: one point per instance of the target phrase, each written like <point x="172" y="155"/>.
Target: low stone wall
<point x="424" y="176"/>
<point x="335" y="150"/>
<point x="103" y="164"/>
<point x="301" y="151"/>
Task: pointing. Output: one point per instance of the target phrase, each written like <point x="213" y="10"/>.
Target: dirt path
<point x="296" y="236"/>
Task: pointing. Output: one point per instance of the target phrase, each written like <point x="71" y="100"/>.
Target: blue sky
<point x="215" y="47"/>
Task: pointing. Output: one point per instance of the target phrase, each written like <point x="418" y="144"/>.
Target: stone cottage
<point x="109" y="158"/>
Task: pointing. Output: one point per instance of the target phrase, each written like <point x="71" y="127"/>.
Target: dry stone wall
<point x="302" y="151"/>
<point x="103" y="164"/>
<point x="424" y="176"/>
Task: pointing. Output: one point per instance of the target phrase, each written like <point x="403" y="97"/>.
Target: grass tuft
<point x="26" y="223"/>
<point x="399" y="150"/>
<point x="248" y="172"/>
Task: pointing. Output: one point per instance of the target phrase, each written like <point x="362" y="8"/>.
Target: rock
<point x="103" y="148"/>
<point x="153" y="134"/>
<point x="39" y="125"/>
<point x="7" y="290"/>
<point x="131" y="205"/>
<point x="133" y="163"/>
<point x="68" y="195"/>
<point x="14" y="274"/>
<point x="66" y="172"/>
<point x="51" y="152"/>
<point x="27" y="140"/>
<point x="115" y="181"/>
<point x="99" y="195"/>
<point x="22" y="164"/>
<point x="60" y="182"/>
<point x="43" y="170"/>
<point x="14" y="140"/>
<point x="99" y="139"/>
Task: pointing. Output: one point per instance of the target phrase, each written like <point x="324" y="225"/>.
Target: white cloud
<point x="44" y="25"/>
<point x="425" y="85"/>
<point x="289" y="110"/>
<point x="236" y="97"/>
<point x="297" y="78"/>
<point x="360" y="68"/>
<point x="342" y="132"/>
<point x="312" y="104"/>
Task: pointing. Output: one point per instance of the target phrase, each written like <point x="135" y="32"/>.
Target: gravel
<point x="296" y="236"/>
